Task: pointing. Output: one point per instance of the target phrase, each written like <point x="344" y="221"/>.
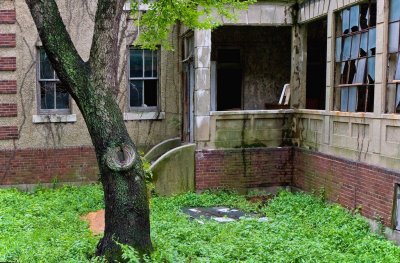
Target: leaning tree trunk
<point x="91" y="84"/>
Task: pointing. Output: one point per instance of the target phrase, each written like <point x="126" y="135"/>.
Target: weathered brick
<point x="8" y="110"/>
<point x="8" y="63"/>
<point x="8" y="133"/>
<point x="7" y="40"/>
<point x="7" y="17"/>
<point x="8" y="87"/>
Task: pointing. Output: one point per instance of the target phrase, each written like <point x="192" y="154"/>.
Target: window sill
<point x="54" y="118"/>
<point x="149" y="115"/>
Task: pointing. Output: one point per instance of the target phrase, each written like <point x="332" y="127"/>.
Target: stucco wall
<point x="71" y="131"/>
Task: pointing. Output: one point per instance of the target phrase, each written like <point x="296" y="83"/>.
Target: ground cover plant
<point x="45" y="226"/>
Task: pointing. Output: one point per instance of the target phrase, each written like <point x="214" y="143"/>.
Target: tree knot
<point x="120" y="158"/>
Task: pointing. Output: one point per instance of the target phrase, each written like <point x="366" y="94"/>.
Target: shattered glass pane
<point x="136" y="93"/>
<point x="352" y="99"/>
<point x="338" y="49"/>
<point x="364" y="44"/>
<point x="346" y="48"/>
<point x="364" y="13"/>
<point x="354" y="17"/>
<point x="345" y="21"/>
<point x="372" y="42"/>
<point x="371" y="70"/>
<point x="360" y="73"/>
<point x="394" y="37"/>
<point x="344" y="97"/>
<point x="355" y="46"/>
<point x="394" y="10"/>
<point x="397" y="76"/>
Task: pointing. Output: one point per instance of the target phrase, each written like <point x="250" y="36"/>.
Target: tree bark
<point x="91" y="84"/>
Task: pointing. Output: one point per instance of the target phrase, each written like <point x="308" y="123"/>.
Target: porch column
<point x="299" y="67"/>
<point x="202" y="97"/>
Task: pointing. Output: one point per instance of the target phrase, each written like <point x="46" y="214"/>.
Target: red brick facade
<point x="7" y="16"/>
<point x="8" y="63"/>
<point x="8" y="132"/>
<point x="243" y="168"/>
<point x="8" y="110"/>
<point x="352" y="184"/>
<point x="7" y="40"/>
<point x="8" y="87"/>
<point x="33" y="166"/>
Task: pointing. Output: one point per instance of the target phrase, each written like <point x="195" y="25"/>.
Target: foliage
<point x="156" y="23"/>
<point x="44" y="226"/>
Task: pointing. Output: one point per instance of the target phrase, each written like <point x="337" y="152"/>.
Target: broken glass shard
<point x="393" y="37"/>
<point x="345" y="21"/>
<point x="344" y="97"/>
<point x="360" y="72"/>
<point x="364" y="44"/>
<point x="346" y="48"/>
<point x="354" y="18"/>
<point x="371" y="42"/>
<point x="355" y="45"/>
<point x="352" y="99"/>
<point x="338" y="49"/>
<point x="394" y="10"/>
<point x="371" y="70"/>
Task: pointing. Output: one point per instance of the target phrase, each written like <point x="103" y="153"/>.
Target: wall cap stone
<point x="54" y="118"/>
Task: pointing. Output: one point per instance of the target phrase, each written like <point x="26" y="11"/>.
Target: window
<point x="53" y="97"/>
<point x="355" y="58"/>
<point x="393" y="87"/>
<point x="143" y="79"/>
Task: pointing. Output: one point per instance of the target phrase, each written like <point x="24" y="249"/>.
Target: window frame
<point x="346" y="69"/>
<point x="54" y="81"/>
<point x="393" y="67"/>
<point x="129" y="78"/>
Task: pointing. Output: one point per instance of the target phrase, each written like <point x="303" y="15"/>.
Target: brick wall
<point x="8" y="63"/>
<point x="7" y="40"/>
<point x="8" y="133"/>
<point x="32" y="166"/>
<point x="7" y="16"/>
<point x="8" y="110"/>
<point x="352" y="184"/>
<point x="8" y="87"/>
<point x="243" y="168"/>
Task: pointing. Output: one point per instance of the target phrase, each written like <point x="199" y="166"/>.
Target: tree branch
<point x="67" y="63"/>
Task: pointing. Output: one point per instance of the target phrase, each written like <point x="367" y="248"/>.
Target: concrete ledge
<point x="173" y="172"/>
<point x="162" y="148"/>
<point x="53" y="118"/>
<point x="145" y="115"/>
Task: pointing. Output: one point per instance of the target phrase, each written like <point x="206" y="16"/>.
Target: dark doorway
<point x="229" y="79"/>
<point x="316" y="64"/>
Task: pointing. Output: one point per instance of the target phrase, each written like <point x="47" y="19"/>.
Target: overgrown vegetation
<point x="44" y="226"/>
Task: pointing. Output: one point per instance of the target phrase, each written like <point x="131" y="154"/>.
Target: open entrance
<point x="316" y="64"/>
<point x="249" y="66"/>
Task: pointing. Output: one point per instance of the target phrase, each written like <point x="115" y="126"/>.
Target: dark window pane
<point x="136" y="93"/>
<point x="372" y="15"/>
<point x="364" y="44"/>
<point x="62" y="98"/>
<point x="155" y="64"/>
<point x="46" y="70"/>
<point x="364" y="15"/>
<point x="338" y="49"/>
<point x="150" y="92"/>
<point x="344" y="97"/>
<point x="354" y="18"/>
<point x="355" y="46"/>
<point x="229" y="56"/>
<point x="371" y="70"/>
<point x="344" y="72"/>
<point x="360" y="73"/>
<point x="352" y="99"/>
<point x="136" y="63"/>
<point x="148" y="63"/>
<point x="346" y="48"/>
<point x="352" y="70"/>
<point x="397" y="97"/>
<point x="393" y="37"/>
<point x="394" y="10"/>
<point x="46" y="95"/>
<point x="371" y="42"/>
<point x="345" y="21"/>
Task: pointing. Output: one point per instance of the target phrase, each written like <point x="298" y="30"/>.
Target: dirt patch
<point x="96" y="221"/>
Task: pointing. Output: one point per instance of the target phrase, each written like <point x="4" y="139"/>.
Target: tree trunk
<point x="91" y="84"/>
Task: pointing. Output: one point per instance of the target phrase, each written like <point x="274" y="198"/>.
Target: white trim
<point x="146" y="115"/>
<point x="54" y="118"/>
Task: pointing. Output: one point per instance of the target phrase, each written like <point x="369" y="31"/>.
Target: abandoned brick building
<point x="218" y="92"/>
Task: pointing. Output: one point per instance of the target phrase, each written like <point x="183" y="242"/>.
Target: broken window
<point x="355" y="58"/>
<point x="392" y="91"/>
<point x="53" y="97"/>
<point x="143" y="79"/>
